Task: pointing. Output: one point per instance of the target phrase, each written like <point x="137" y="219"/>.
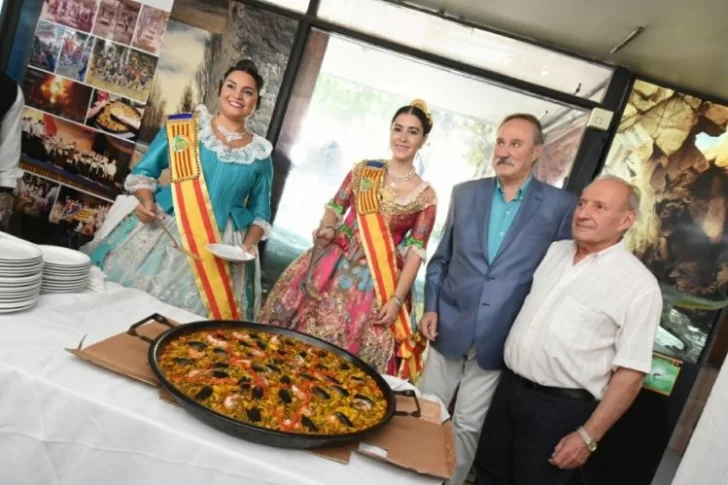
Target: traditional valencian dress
<point x="358" y="272"/>
<point x="216" y="194"/>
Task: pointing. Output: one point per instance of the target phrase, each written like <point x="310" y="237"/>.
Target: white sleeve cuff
<point x="136" y="182"/>
<point x="265" y="225"/>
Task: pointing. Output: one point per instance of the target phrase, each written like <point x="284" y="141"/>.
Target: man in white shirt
<point x="11" y="111"/>
<point x="578" y="351"/>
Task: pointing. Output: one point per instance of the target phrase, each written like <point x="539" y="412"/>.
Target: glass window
<point x="340" y="113"/>
<point x="487" y="50"/>
<point x="297" y="5"/>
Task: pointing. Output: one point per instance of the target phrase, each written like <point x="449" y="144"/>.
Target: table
<point x="64" y="421"/>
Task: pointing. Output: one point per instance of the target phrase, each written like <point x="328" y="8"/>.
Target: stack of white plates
<point x="21" y="266"/>
<point x="64" y="270"/>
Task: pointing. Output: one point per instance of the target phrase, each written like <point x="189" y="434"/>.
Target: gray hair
<point x="538" y="136"/>
<point x="634" y="193"/>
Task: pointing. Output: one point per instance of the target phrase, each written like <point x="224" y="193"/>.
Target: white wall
<point x="705" y="461"/>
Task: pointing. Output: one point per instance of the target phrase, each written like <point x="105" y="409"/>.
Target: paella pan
<point x="270" y="385"/>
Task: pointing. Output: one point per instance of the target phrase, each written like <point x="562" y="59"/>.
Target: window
<point x="297" y="5"/>
<point x="340" y="112"/>
<point x="487" y="50"/>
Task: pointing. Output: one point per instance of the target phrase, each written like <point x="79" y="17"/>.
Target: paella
<point x="272" y="381"/>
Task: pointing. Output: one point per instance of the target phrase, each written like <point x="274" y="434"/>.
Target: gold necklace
<point x="399" y="178"/>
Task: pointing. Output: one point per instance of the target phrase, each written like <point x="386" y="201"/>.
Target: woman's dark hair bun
<point x="249" y="67"/>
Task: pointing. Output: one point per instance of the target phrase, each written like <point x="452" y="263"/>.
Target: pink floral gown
<point x="343" y="314"/>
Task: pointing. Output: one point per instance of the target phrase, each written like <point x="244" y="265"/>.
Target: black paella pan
<point x="250" y="432"/>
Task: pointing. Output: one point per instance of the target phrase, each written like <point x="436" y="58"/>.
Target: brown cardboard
<point x="424" y="444"/>
<point x="125" y="354"/>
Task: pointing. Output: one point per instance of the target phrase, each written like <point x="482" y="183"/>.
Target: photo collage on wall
<point x="86" y="89"/>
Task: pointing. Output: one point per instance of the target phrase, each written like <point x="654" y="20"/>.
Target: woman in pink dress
<point x="367" y="252"/>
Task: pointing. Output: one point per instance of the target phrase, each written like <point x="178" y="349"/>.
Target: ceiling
<point x="685" y="43"/>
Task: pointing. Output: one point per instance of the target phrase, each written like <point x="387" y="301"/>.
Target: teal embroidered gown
<point x="142" y="256"/>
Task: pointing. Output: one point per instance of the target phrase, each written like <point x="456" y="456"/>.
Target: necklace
<point x="230" y="135"/>
<point x="400" y="178"/>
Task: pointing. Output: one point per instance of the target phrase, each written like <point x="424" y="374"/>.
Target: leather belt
<point x="581" y="394"/>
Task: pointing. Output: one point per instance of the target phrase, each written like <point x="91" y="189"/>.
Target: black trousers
<point x="521" y="430"/>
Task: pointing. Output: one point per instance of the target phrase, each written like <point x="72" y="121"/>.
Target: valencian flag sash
<point x="381" y="258"/>
<point x="196" y="220"/>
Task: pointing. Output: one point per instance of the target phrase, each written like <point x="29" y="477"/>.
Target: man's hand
<point x="428" y="326"/>
<point x="6" y="209"/>
<point x="571" y="452"/>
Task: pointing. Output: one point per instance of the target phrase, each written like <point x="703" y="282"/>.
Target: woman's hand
<point x="146" y="212"/>
<point x="323" y="235"/>
<point x="387" y="314"/>
<point x="251" y="248"/>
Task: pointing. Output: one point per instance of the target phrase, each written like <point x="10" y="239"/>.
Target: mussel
<point x="219" y="351"/>
<point x="285" y="380"/>
<point x="321" y="393"/>
<point x="321" y="367"/>
<point x="254" y="414"/>
<point x="343" y="392"/>
<point x="197" y="345"/>
<point x="273" y="367"/>
<point x="343" y="419"/>
<point x="182" y="361"/>
<point x="333" y="379"/>
<point x="257" y="392"/>
<point x="221" y="365"/>
<point x="204" y="393"/>
<point x="345" y="366"/>
<point x="220" y="374"/>
<point x="357" y="379"/>
<point x="244" y="343"/>
<point x="307" y="376"/>
<point x="306" y="421"/>
<point x="244" y="380"/>
<point x="362" y="402"/>
<point x="258" y="368"/>
<point x="285" y="396"/>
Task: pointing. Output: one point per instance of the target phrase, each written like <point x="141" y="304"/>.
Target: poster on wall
<point x="674" y="147"/>
<point x="89" y="75"/>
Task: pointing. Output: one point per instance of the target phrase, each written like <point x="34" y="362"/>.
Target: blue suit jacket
<point x="477" y="301"/>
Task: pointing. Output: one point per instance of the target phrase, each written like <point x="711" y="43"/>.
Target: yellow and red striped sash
<point x="196" y="220"/>
<point x="381" y="258"/>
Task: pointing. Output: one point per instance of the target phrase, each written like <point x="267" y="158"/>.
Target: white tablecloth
<point x="64" y="421"/>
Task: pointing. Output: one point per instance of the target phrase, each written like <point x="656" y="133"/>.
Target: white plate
<point x="8" y="305"/>
<point x="13" y="249"/>
<point x="15" y="310"/>
<point x="19" y="281"/>
<point x="56" y="255"/>
<point x="230" y="253"/>
<point x="21" y="264"/>
<point x="57" y="291"/>
<point x="14" y="290"/>
<point x="19" y="301"/>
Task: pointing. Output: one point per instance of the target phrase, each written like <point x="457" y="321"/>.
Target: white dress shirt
<point x="10" y="135"/>
<point x="580" y="322"/>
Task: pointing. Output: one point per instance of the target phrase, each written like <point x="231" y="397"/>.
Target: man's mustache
<point x="504" y="161"/>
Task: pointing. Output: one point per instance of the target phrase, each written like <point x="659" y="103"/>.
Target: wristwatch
<point x="591" y="444"/>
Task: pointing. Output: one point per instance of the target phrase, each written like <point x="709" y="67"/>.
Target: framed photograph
<point x="664" y="374"/>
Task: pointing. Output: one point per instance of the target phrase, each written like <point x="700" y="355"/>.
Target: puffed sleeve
<point x="145" y="174"/>
<point x="257" y="207"/>
<point x="419" y="235"/>
<point x="342" y="200"/>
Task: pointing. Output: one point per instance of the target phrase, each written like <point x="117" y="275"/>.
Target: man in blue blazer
<point x="497" y="231"/>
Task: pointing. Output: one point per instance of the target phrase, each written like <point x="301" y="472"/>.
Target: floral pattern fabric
<point x="343" y="313"/>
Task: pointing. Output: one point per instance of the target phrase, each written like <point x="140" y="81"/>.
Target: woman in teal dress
<point x="237" y="170"/>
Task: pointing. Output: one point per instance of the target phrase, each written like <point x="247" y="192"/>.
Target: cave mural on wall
<point x="674" y="147"/>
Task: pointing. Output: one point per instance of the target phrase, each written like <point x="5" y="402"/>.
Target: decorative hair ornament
<point x="422" y="105"/>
